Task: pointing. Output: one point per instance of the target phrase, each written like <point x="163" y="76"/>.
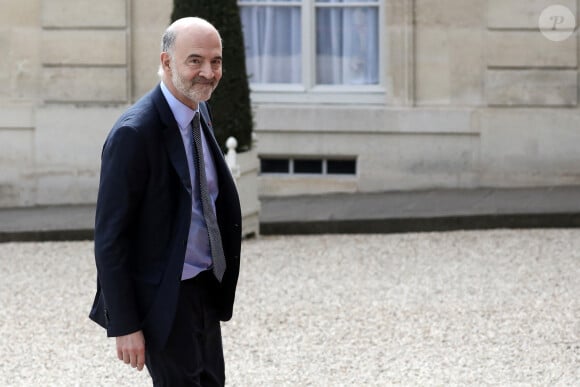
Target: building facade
<point x="467" y="93"/>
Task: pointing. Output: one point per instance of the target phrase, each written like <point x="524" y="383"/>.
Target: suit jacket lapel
<point x="174" y="146"/>
<point x="172" y="139"/>
<point x="216" y="151"/>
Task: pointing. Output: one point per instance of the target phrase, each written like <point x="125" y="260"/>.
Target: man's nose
<point x="206" y="70"/>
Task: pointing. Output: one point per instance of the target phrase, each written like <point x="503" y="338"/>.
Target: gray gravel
<point x="468" y="308"/>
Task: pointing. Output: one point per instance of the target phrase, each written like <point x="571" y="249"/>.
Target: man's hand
<point x="131" y="349"/>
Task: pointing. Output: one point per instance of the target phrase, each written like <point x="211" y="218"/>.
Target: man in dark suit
<point x="165" y="279"/>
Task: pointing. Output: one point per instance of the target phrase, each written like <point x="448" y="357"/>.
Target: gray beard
<point x="191" y="92"/>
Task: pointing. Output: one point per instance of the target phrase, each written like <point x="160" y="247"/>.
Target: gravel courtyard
<point x="495" y="307"/>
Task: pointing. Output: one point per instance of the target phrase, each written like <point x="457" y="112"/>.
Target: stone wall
<point x="71" y="69"/>
<point x="474" y="95"/>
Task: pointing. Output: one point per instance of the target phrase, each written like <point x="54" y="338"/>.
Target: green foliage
<point x="230" y="102"/>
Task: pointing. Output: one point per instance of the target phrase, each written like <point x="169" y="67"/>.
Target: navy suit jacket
<point x="143" y="217"/>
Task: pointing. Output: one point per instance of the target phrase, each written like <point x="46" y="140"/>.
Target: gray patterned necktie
<point x="215" y="240"/>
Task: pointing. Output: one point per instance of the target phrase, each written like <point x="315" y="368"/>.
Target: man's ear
<point x="165" y="62"/>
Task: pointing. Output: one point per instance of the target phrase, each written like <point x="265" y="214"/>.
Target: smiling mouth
<point x="203" y="83"/>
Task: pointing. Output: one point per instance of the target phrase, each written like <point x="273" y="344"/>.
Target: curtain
<point x="347" y="46"/>
<point x="346" y="38"/>
<point x="273" y="40"/>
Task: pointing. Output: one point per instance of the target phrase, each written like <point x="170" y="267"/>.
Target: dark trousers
<point x="194" y="354"/>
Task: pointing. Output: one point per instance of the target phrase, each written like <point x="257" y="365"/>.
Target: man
<point x="165" y="280"/>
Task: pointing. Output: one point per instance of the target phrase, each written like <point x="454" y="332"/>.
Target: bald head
<point x="192" y="24"/>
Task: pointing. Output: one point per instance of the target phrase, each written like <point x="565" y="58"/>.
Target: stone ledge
<point x="73" y="14"/>
<point x="520" y="14"/>
<point x="529" y="49"/>
<point x="532" y="87"/>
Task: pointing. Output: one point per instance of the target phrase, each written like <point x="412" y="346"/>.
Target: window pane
<point x="308" y="166"/>
<point x="347" y="47"/>
<point x="347" y="1"/>
<point x="269" y="1"/>
<point x="274" y="166"/>
<point x="341" y="167"/>
<point x="272" y="38"/>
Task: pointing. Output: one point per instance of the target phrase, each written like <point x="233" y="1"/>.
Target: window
<point x="274" y="165"/>
<point x="308" y="166"/>
<point x="340" y="167"/>
<point x="312" y="45"/>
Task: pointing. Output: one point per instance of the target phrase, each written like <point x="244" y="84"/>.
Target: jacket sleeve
<point x="122" y="183"/>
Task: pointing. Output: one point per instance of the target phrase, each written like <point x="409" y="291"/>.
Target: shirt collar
<point x="183" y="114"/>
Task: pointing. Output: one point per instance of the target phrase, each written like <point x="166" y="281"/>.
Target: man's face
<point x="196" y="64"/>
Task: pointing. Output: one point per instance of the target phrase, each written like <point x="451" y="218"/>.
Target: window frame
<point x="308" y="91"/>
<point x="291" y="169"/>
